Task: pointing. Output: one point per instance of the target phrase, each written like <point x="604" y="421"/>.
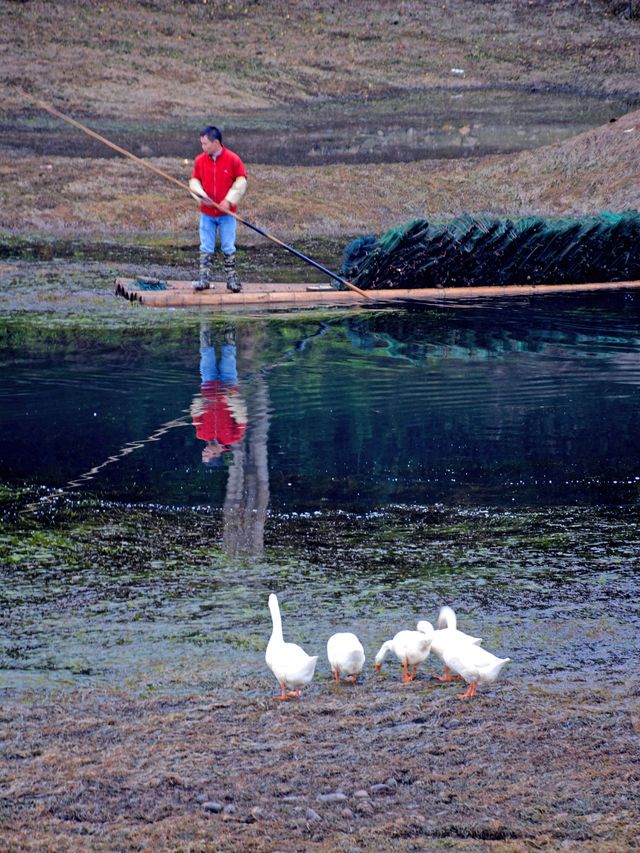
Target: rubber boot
<point x="230" y="271"/>
<point x="205" y="279"/>
<point x="205" y="335"/>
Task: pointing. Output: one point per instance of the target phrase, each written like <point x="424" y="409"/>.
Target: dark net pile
<point x="471" y="251"/>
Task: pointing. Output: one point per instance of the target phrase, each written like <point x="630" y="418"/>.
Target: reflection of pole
<point x="128" y="448"/>
<point x="247" y="495"/>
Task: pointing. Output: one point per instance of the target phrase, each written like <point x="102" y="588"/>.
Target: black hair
<point x="212" y="133"/>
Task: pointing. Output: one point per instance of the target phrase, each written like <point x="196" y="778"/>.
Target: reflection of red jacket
<point x="217" y="177"/>
<point x="215" y="419"/>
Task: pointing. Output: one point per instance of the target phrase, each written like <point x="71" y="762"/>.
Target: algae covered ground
<point x="164" y="733"/>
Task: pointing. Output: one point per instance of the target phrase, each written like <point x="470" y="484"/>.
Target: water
<point x="377" y="466"/>
<point x="531" y="404"/>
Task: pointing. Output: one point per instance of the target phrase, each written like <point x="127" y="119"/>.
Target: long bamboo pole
<point x="55" y="112"/>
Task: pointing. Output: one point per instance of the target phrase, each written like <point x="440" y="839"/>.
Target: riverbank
<point x="189" y="750"/>
<point x="119" y="201"/>
<point x="155" y="59"/>
<point x="142" y="70"/>
<point x="379" y="766"/>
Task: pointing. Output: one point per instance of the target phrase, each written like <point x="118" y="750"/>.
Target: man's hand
<point x="198" y="193"/>
<point x="225" y="205"/>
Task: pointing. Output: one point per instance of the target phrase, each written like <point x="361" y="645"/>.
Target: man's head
<point x="211" y="140"/>
<point x="212" y="452"/>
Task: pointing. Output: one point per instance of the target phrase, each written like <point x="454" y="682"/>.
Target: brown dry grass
<point x="156" y="59"/>
<point x="70" y="196"/>
<point x="521" y="767"/>
<point x="162" y="58"/>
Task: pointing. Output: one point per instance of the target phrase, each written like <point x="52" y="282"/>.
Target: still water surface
<point x="535" y="404"/>
<point x="369" y="467"/>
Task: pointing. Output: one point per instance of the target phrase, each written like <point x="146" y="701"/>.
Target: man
<point x="218" y="176"/>
<point x="219" y="412"/>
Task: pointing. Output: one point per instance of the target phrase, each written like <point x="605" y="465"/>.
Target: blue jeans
<point x="210" y="226"/>
<point x="223" y="370"/>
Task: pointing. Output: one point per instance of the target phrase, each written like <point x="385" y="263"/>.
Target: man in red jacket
<point x="218" y="176"/>
<point x="219" y="412"/>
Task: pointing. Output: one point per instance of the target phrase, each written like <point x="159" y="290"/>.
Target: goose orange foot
<point x="287" y="694"/>
<point x="409" y="676"/>
<point x="447" y="676"/>
<point x="470" y="692"/>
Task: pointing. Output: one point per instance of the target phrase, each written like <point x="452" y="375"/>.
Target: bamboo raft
<point x="180" y="294"/>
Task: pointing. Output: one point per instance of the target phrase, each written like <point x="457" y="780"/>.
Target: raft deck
<point x="180" y="294"/>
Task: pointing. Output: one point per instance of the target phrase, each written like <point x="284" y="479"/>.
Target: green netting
<point x="469" y="251"/>
<point x="150" y="284"/>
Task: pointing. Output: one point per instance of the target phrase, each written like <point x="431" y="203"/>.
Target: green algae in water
<point x="110" y="625"/>
<point x="397" y="482"/>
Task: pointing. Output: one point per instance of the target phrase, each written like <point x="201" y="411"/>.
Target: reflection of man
<point x="219" y="413"/>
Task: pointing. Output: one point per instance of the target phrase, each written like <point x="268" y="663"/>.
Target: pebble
<point x="229" y="809"/>
<point x="382" y="788"/>
<point x="257" y="813"/>
<point x="346" y="813"/>
<point x="312" y="815"/>
<point x="292" y="798"/>
<point x="361" y="794"/>
<point x="335" y="797"/>
<point x="212" y="806"/>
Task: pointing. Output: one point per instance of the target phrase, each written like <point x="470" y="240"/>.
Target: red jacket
<point x="217" y="177"/>
<point x="216" y="421"/>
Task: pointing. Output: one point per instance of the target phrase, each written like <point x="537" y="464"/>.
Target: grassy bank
<point x="180" y="59"/>
<point x="152" y="63"/>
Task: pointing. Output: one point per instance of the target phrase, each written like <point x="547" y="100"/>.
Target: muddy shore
<point x="378" y="766"/>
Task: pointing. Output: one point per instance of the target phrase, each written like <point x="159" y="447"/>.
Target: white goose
<point x="410" y="647"/>
<point x="446" y="633"/>
<point x="291" y="665"/>
<point x="475" y="664"/>
<point x="346" y="655"/>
